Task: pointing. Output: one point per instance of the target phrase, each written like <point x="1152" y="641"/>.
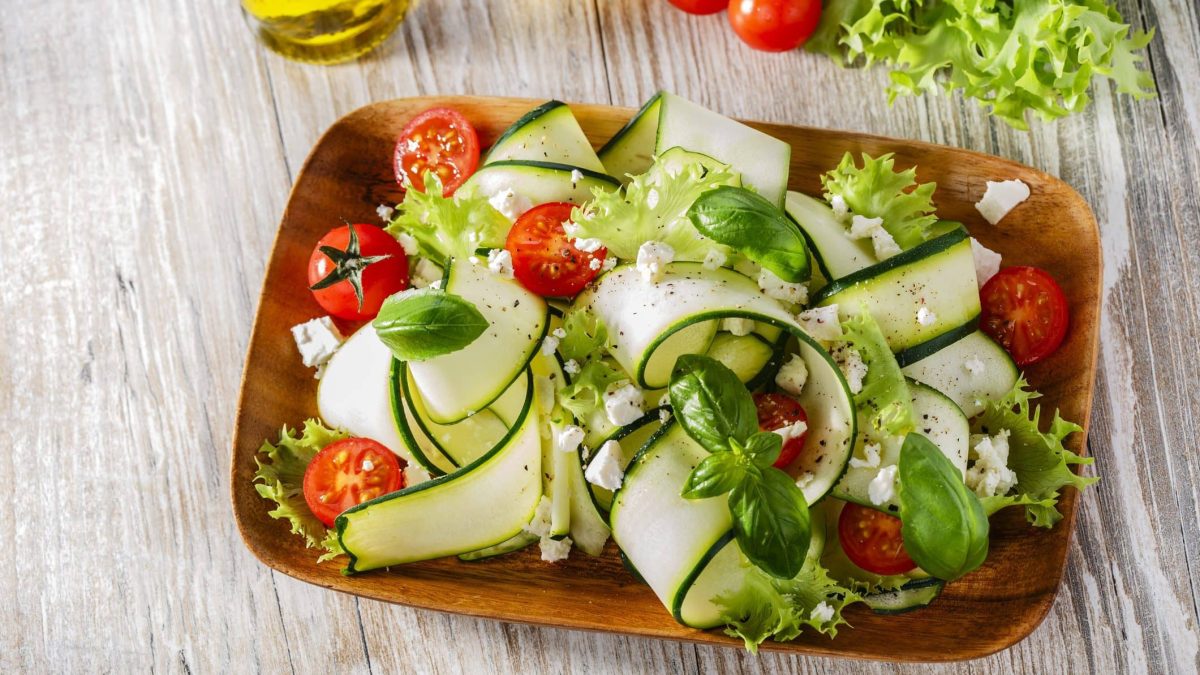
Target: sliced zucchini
<point x="483" y="504"/>
<point x="517" y="542"/>
<point x="493" y="361"/>
<point x="745" y="355"/>
<point x="912" y="595"/>
<point x="548" y="133"/>
<point x="971" y="371"/>
<point x="464" y="441"/>
<point x="837" y="255"/>
<point x="631" y="150"/>
<point x="631" y="437"/>
<point x="538" y="182"/>
<point x="419" y="444"/>
<point x="355" y="392"/>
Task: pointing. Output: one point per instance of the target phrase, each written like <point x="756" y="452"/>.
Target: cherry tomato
<point x="354" y="268"/>
<point x="774" y="25"/>
<point x="871" y="539"/>
<point x="440" y="140"/>
<point x="776" y="411"/>
<point x="1025" y="310"/>
<point x="347" y="473"/>
<point x="544" y="260"/>
<point x="701" y="6"/>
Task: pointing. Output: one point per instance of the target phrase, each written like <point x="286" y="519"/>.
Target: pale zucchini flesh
<point x="354" y="393"/>
<point x="548" y="133"/>
<point x="947" y="370"/>
<point x="836" y="254"/>
<point x="631" y="150"/>
<point x="538" y="182"/>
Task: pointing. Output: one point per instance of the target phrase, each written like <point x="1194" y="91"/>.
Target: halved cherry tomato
<point x="701" y="6"/>
<point x="544" y="260"/>
<point x="354" y="268"/>
<point x="347" y="473"/>
<point x="1025" y="310"/>
<point x="871" y="539"/>
<point x="440" y="140"/>
<point x="776" y="411"/>
<point x="774" y="25"/>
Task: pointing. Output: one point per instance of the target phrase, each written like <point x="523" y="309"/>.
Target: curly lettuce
<point x="884" y="404"/>
<point x="1013" y="56"/>
<point x="448" y="227"/>
<point x="584" y="397"/>
<point x="653" y="207"/>
<point x="1040" y="460"/>
<point x="765" y="607"/>
<point x="877" y="190"/>
<point x="281" y="479"/>
<point x="586" y="336"/>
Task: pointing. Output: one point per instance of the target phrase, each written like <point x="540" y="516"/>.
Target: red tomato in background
<point x="871" y="539"/>
<point x="354" y="268"/>
<point x="544" y="260"/>
<point x="701" y="6"/>
<point x="776" y="411"/>
<point x="1024" y="310"/>
<point x="774" y="25"/>
<point x="347" y="473"/>
<point x="440" y="140"/>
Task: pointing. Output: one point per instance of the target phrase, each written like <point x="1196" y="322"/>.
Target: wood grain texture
<point x="146" y="151"/>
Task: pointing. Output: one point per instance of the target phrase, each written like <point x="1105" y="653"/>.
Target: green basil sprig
<point x="945" y="529"/>
<point x="770" y="516"/>
<point x="420" y="324"/>
<point x="754" y="227"/>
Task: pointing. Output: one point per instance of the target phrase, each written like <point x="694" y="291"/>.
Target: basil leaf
<point x="771" y="521"/>
<point x="717" y="474"/>
<point x="944" y="526"/>
<point x="763" y="448"/>
<point x="420" y="324"/>
<point x="711" y="402"/>
<point x="754" y="227"/>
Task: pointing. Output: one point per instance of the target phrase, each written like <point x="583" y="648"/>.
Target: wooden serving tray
<point x="349" y="173"/>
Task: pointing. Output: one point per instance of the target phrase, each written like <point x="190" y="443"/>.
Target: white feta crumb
<point x="1000" y="198"/>
<point x="368" y="465"/>
<point x="805" y="479"/>
<point x="623" y="403"/>
<point x="738" y="327"/>
<point x="568" y="438"/>
<point x="539" y="525"/>
<point x="883" y="486"/>
<point x="317" y="340"/>
<point x="408" y="243"/>
<point x="415" y="474"/>
<point x="774" y="287"/>
<point x="989" y="475"/>
<point x="974" y="365"/>
<point x="474" y="259"/>
<point x="554" y="550"/>
<point x="652" y="198"/>
<point x="871" y="454"/>
<point x="576" y="176"/>
<point x="792" y="375"/>
<point x="571" y="367"/>
<point x="715" y="258"/>
<point x="549" y="345"/>
<point x="500" y="262"/>
<point x="664" y="400"/>
<point x="609" y="263"/>
<point x="652" y="260"/>
<point x="544" y="388"/>
<point x="664" y="416"/>
<point x="425" y="273"/>
<point x="925" y="316"/>
<point x="559" y="332"/>
<point x="509" y="203"/>
<point x="853" y="368"/>
<point x="385" y="212"/>
<point x="987" y="262"/>
<point x="822" y="613"/>
<point x="841" y="210"/>
<point x="595" y="263"/>
<point x="793" y="430"/>
<point x="606" y="469"/>
<point x="585" y="245"/>
<point x="861" y="227"/>
<point x="436" y="285"/>
<point x="821" y="323"/>
<point x="884" y="244"/>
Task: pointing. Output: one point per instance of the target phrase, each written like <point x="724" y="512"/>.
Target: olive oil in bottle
<point x="325" y="31"/>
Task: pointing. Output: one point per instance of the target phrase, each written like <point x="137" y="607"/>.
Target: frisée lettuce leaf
<point x="448" y="227"/>
<point x="877" y="190"/>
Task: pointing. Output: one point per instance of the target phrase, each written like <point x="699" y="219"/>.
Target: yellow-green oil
<point x="325" y="31"/>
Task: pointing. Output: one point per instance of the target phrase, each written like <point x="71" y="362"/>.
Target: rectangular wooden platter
<point x="349" y="173"/>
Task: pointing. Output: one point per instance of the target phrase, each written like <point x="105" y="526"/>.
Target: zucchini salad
<point x="774" y="404"/>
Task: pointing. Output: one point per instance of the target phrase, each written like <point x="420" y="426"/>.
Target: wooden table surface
<point x="146" y="151"/>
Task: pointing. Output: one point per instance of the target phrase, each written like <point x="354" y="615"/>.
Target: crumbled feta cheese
<point x="544" y="388"/>
<point x="883" y="486"/>
<point x="715" y="258"/>
<point x="822" y="613"/>
<point x="425" y="273"/>
<point x="793" y="430"/>
<point x="415" y="474"/>
<point x="609" y="263"/>
<point x="317" y="340"/>
<point x="606" y="469"/>
<point x="652" y="259"/>
<point x="595" y="263"/>
<point x="623" y="403"/>
<point x="475" y="260"/>
<point x="664" y="400"/>
<point x="587" y="245"/>
<point x="853" y="368"/>
<point x="861" y="227"/>
<point x="408" y="243"/>
<point x="436" y="285"/>
<point x="989" y="474"/>
<point x="571" y="367"/>
<point x="925" y="316"/>
<point x="550" y="345"/>
<point x="539" y="525"/>
<point x="987" y="262"/>
<point x="652" y="198"/>
<point x="1000" y="198"/>
<point x="821" y="323"/>
<point x="559" y="333"/>
<point x="510" y="203"/>
<point x="885" y="246"/>
<point x="368" y="465"/>
<point x="576" y="175"/>
<point x="792" y="375"/>
<point x="774" y="287"/>
<point x="841" y="210"/>
<point x="385" y="212"/>
<point x="500" y="262"/>
<point x="973" y="365"/>
<point x="805" y="479"/>
<point x="664" y="416"/>
<point x="568" y="438"/>
<point x="554" y="550"/>
<point x="738" y="327"/>
<point x="871" y="454"/>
